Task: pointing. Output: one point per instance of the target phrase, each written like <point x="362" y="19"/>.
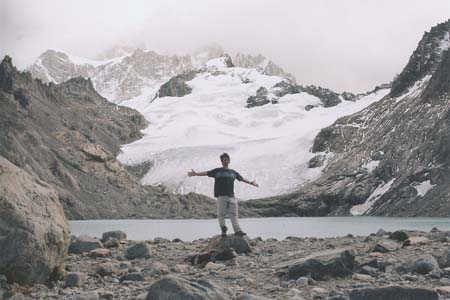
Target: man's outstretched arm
<point x="250" y="182"/>
<point x="193" y="173"/>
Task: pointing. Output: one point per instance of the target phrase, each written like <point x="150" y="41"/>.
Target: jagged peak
<point x="79" y="84"/>
<point x="424" y="60"/>
<point x="7" y="72"/>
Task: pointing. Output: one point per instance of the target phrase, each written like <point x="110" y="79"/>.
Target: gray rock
<point x="317" y="161"/>
<point x="399" y="236"/>
<point x="239" y="243"/>
<point x="116" y="234"/>
<point x="302" y="281"/>
<point x="321" y="265"/>
<point x="87" y="296"/>
<point x="84" y="243"/>
<point x="75" y="279"/>
<point x="247" y="296"/>
<point x="176" y="86"/>
<point x="132" y="277"/>
<point x="112" y="243"/>
<point x="156" y="268"/>
<point x="175" y="288"/>
<point x="424" y="264"/>
<point x="140" y="250"/>
<point x="108" y="269"/>
<point x="393" y="293"/>
<point x="34" y="233"/>
<point x="385" y="246"/>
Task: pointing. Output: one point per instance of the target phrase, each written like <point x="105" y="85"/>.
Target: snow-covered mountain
<point x="135" y="72"/>
<point x="393" y="157"/>
<point x="207" y="111"/>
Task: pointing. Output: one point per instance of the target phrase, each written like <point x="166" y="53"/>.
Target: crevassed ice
<point x="269" y="144"/>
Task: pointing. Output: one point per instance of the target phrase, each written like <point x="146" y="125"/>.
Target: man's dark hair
<point x="224" y="155"/>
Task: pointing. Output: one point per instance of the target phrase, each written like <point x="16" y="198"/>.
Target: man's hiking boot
<point x="239" y="233"/>
<point x="224" y="231"/>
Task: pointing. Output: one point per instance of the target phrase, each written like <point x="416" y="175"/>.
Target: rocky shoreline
<point x="383" y="265"/>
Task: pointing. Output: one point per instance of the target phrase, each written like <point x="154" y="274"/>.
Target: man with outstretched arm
<point x="224" y="192"/>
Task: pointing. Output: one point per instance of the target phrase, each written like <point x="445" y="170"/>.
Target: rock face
<point x="175" y="288"/>
<point x="69" y="136"/>
<point x="392" y="158"/>
<point x="34" y="233"/>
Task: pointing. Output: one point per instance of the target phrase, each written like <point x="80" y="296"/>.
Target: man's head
<point x="225" y="159"/>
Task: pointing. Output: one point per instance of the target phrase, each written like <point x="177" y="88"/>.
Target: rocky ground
<point x="400" y="265"/>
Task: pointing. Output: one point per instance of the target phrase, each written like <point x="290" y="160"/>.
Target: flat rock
<point x="393" y="293"/>
<point x="84" y="243"/>
<point x="385" y="246"/>
<point x="320" y="265"/>
<point x="99" y="253"/>
<point x="417" y="241"/>
<point x="176" y="288"/>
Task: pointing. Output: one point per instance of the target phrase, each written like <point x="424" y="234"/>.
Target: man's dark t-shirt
<point x="224" y="181"/>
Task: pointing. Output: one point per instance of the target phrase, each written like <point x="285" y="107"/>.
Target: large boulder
<point x="34" y="233"/>
<point x="139" y="250"/>
<point x="175" y="288"/>
<point x="240" y="244"/>
<point x="393" y="293"/>
<point x="423" y="264"/>
<point x="321" y="265"/>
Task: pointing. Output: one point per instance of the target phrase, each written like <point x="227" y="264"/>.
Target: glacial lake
<point x="279" y="228"/>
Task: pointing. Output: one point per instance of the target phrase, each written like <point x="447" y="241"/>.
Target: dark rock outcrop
<point x="176" y="86"/>
<point x="34" y="233"/>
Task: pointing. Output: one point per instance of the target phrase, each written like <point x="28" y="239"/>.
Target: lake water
<point x="278" y="228"/>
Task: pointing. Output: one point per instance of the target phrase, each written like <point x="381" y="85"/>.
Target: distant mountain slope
<point x="68" y="136"/>
<point x="393" y="157"/>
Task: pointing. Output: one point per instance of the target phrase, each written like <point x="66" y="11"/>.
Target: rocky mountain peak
<point x="261" y="63"/>
<point x="6" y="73"/>
<point x="425" y="59"/>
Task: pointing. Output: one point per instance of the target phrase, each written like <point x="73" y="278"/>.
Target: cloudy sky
<point x="343" y="45"/>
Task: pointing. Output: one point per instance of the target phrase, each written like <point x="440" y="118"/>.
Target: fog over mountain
<point x="348" y="45"/>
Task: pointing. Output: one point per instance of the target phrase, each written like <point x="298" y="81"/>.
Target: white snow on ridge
<point x="360" y="209"/>
<point x="269" y="143"/>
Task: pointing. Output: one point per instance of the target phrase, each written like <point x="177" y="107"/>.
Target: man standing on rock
<point x="224" y="192"/>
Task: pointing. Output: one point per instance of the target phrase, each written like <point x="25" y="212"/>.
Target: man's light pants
<point x="228" y="204"/>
